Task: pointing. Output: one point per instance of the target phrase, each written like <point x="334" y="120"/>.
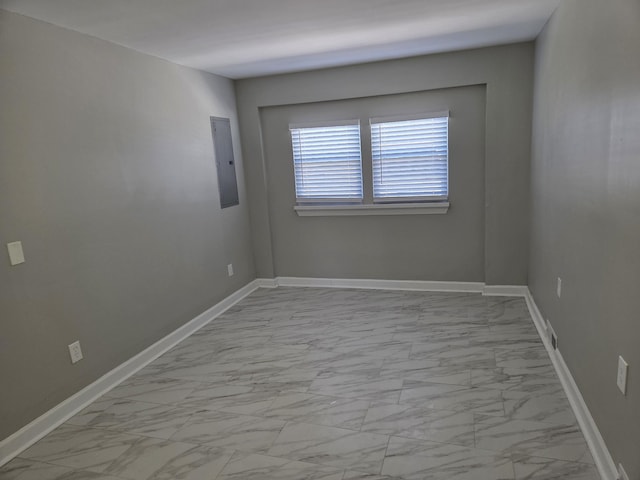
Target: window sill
<point x="375" y="209"/>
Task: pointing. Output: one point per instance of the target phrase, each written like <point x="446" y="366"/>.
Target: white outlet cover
<point x="230" y="269"/>
<point x="559" y="288"/>
<point x="623" y="368"/>
<point x="75" y="352"/>
<point x="16" y="254"/>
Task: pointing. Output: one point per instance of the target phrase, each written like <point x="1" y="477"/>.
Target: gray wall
<point x="107" y="176"/>
<point x="443" y="247"/>
<point x="507" y="73"/>
<point x="586" y="205"/>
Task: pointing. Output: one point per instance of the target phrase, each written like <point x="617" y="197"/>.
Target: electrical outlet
<point x="75" y="352"/>
<point x="559" y="287"/>
<point x="230" y="269"/>
<point x="623" y="368"/>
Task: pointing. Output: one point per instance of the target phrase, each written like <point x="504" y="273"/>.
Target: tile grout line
<point x="233" y="452"/>
<point x="258" y="415"/>
<point x="386" y="449"/>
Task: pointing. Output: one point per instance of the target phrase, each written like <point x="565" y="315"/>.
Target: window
<point x="327" y="162"/>
<point x="410" y="159"/>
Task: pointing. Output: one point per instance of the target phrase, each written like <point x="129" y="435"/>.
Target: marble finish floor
<point x="333" y="384"/>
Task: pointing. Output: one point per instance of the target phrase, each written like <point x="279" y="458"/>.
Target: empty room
<point x="320" y="240"/>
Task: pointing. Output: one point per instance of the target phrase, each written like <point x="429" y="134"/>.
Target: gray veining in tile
<point x="80" y="447"/>
<point x="458" y="353"/>
<point x="421" y="423"/>
<point x="535" y="359"/>
<point x="227" y="430"/>
<point x="250" y="403"/>
<point x="336" y="447"/>
<point x="427" y="371"/>
<point x="417" y="459"/>
<point x="141" y="418"/>
<point x="261" y="467"/>
<point x="535" y="468"/>
<point x="202" y="370"/>
<point x="353" y="475"/>
<point x="86" y="475"/>
<point x="86" y="415"/>
<point x="453" y="397"/>
<point x="524" y="437"/>
<point x="162" y="459"/>
<point x="154" y="389"/>
<point x="330" y="361"/>
<point x="518" y="379"/>
<point x="319" y="409"/>
<point x="330" y="384"/>
<point x="20" y="469"/>
<point x="292" y="379"/>
<point x="358" y="386"/>
<point x="548" y="405"/>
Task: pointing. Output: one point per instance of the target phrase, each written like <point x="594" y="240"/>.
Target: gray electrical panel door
<point x="223" y="147"/>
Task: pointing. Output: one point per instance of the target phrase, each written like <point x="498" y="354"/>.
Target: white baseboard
<point x="34" y="431"/>
<point x="505" y="290"/>
<point x="266" y="282"/>
<point x="601" y="455"/>
<point x="415" y="285"/>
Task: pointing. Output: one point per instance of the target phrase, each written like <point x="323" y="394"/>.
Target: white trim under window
<point x="371" y="209"/>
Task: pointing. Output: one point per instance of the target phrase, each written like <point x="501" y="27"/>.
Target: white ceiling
<point x="246" y="38"/>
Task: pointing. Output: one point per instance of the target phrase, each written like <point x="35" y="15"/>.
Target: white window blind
<point x="410" y="158"/>
<point x="327" y="162"/>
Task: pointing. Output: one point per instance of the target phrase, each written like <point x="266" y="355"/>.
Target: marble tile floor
<point x="333" y="384"/>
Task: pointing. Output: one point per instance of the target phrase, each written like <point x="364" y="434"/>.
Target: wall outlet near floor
<point x="622" y="475"/>
<point x="75" y="352"/>
<point x="559" y="287"/>
<point x="551" y="335"/>
<point x="230" y="269"/>
<point x="623" y="368"/>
